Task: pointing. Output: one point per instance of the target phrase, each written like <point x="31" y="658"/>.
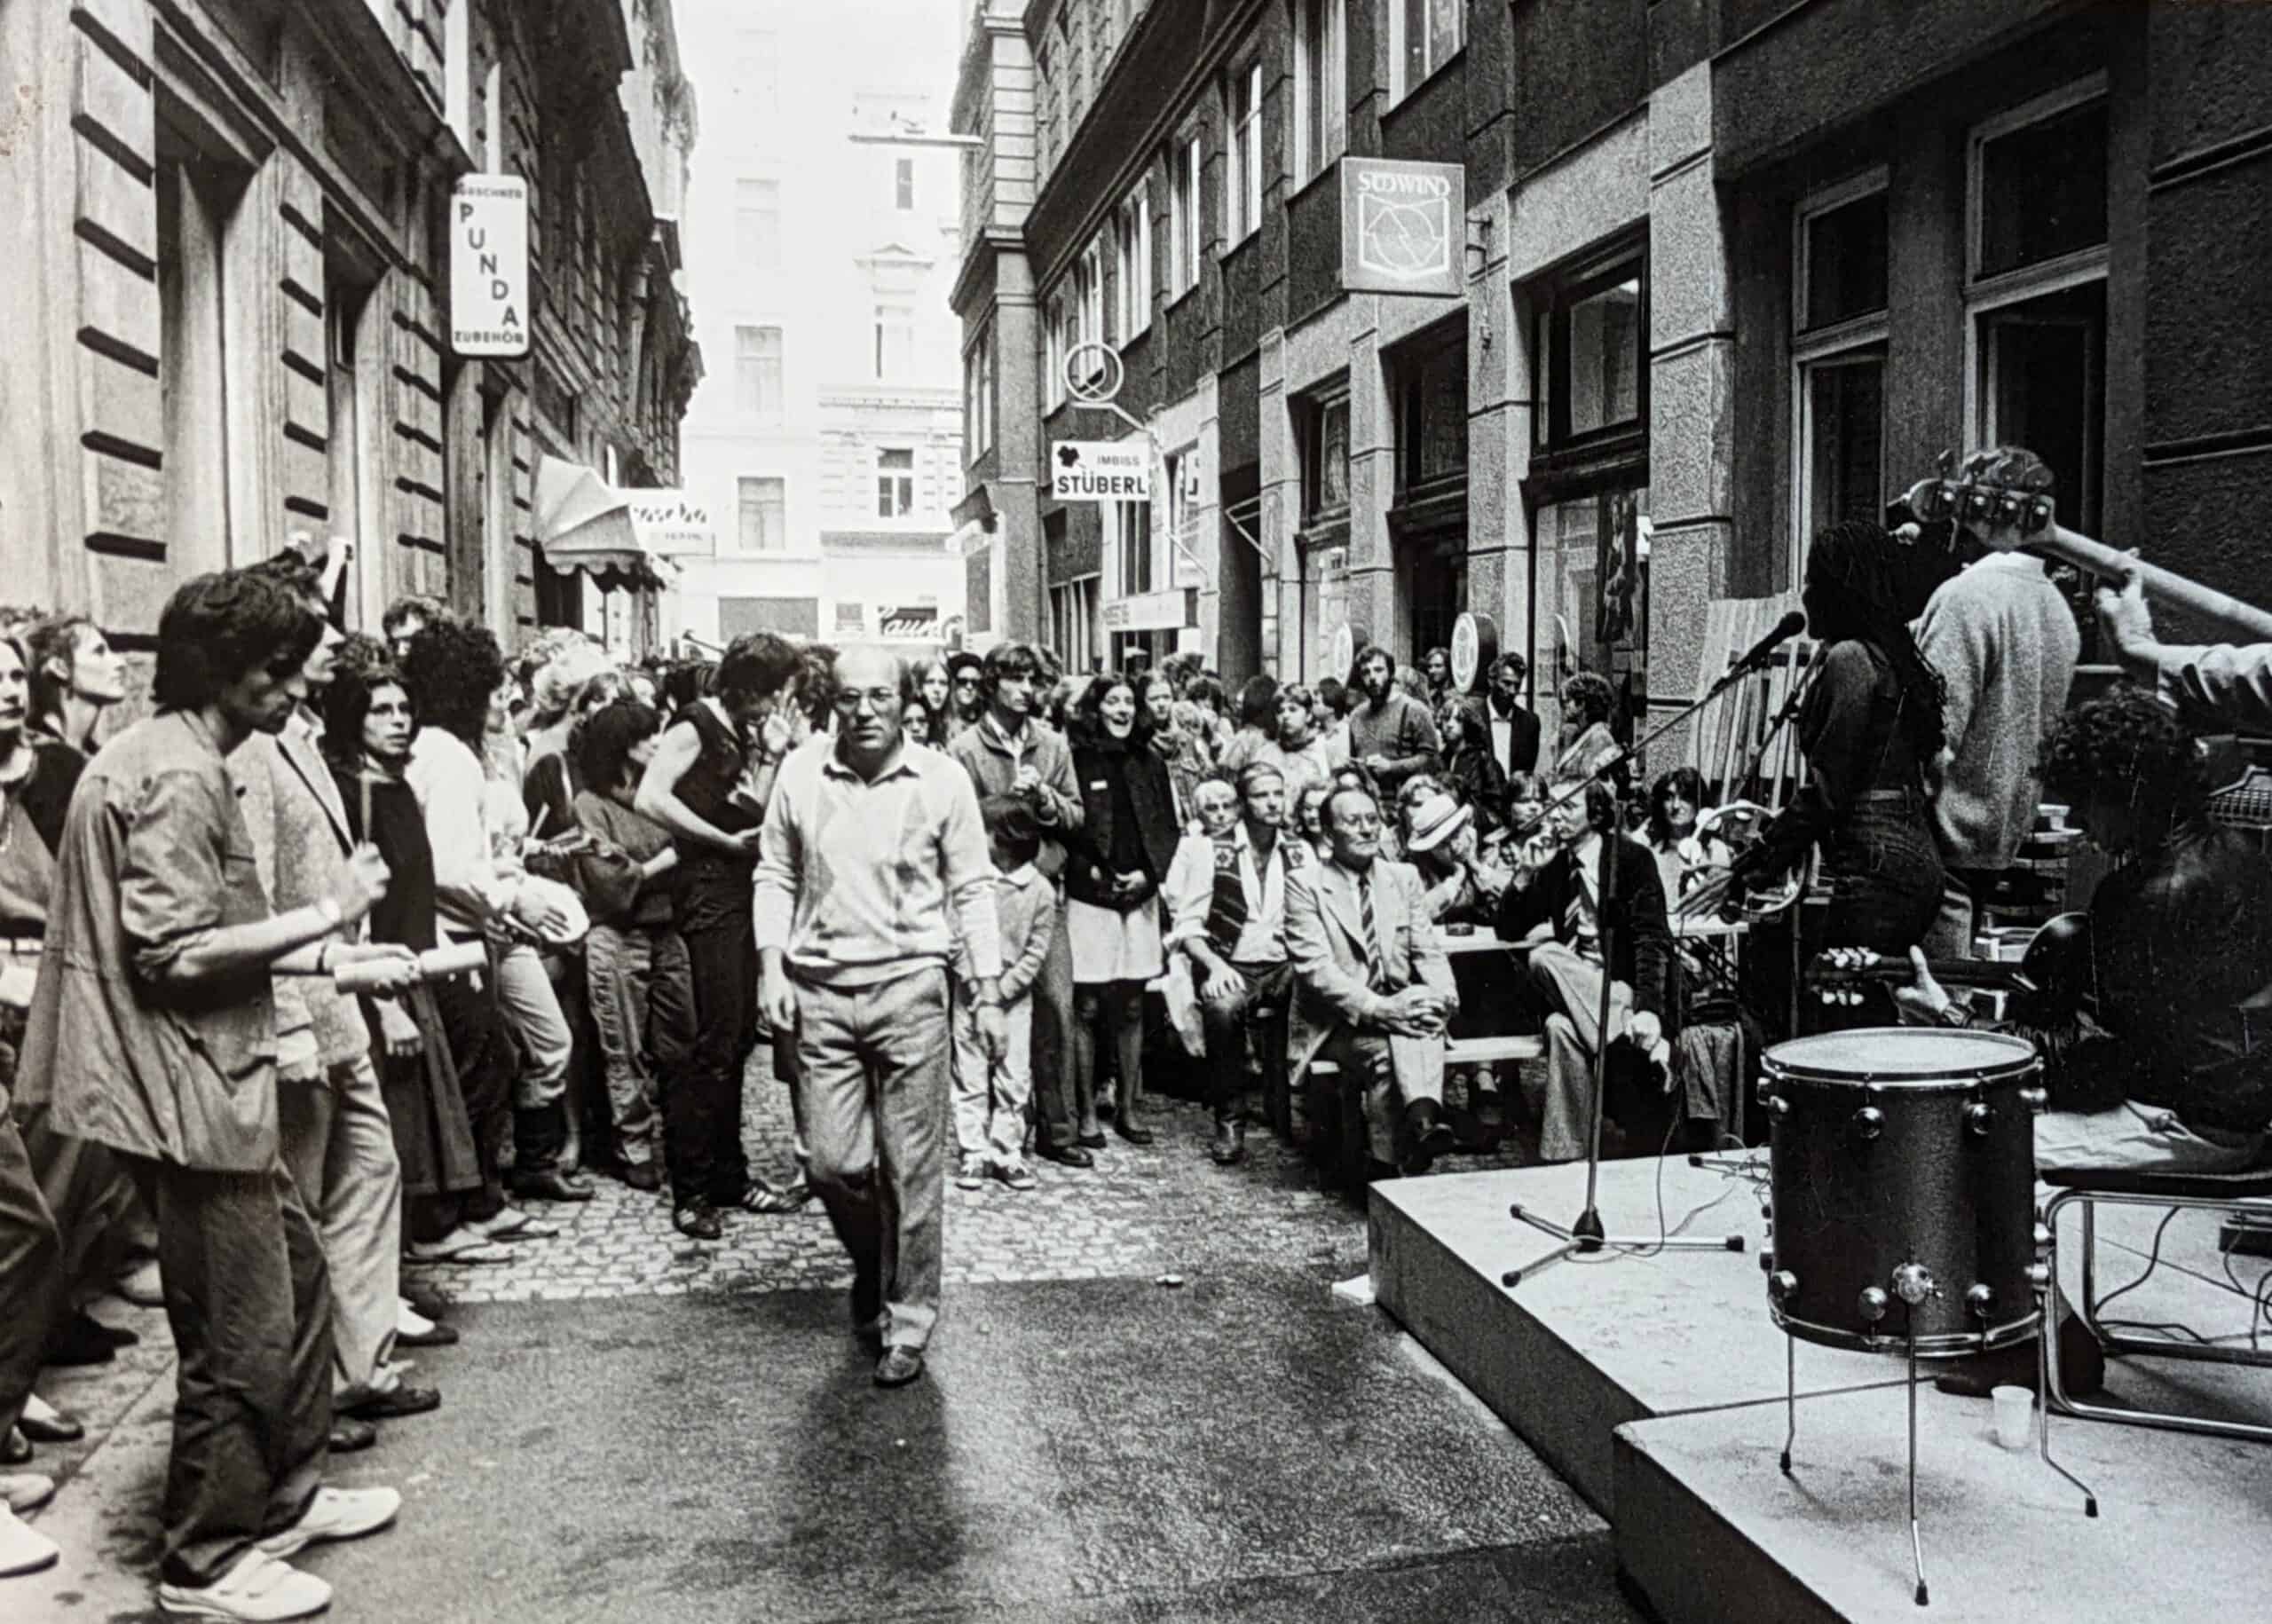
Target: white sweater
<point x="2006" y="643"/>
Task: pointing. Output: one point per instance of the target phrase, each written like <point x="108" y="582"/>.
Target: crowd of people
<point x="356" y="951"/>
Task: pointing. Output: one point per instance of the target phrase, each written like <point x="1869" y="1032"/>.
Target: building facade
<point x="828" y="441"/>
<point x="231" y="309"/>
<point x="1725" y="271"/>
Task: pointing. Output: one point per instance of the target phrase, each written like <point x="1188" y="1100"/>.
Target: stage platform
<point x="1656" y="1384"/>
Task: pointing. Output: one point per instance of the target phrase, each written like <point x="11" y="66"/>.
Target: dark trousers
<point x="1061" y="1102"/>
<point x="702" y="1104"/>
<point x="249" y="1299"/>
<point x="31" y="1281"/>
<point x="481" y="1048"/>
<point x="1226" y="1022"/>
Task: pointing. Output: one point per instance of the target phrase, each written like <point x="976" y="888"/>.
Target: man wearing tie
<point x="1372" y="986"/>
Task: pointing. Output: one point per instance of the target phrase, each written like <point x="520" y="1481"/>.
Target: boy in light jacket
<point x="991" y="1097"/>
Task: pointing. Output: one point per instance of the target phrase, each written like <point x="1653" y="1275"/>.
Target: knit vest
<point x="1226" y="909"/>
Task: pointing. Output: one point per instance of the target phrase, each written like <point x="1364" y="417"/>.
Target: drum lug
<point x="1872" y="1304"/>
<point x="1913" y="1282"/>
<point x="1981" y="1300"/>
<point x="2042" y="1237"/>
<point x="2035" y="1098"/>
<point x="2039" y="1275"/>
<point x="1766" y="1260"/>
<point x="1777" y="1105"/>
<point x="1979" y="1116"/>
<point x="1869" y="1121"/>
<point x="1782" y="1285"/>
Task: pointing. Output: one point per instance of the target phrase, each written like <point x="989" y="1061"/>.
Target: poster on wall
<point x="1403" y="226"/>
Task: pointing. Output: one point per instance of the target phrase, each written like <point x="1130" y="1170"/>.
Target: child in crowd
<point x="991" y="1096"/>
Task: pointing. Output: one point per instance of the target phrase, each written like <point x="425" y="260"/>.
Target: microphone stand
<point x="1587" y="1237"/>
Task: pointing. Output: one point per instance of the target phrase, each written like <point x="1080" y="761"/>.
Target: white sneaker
<point x="336" y="1514"/>
<point x="25" y="1490"/>
<point x="409" y="1322"/>
<point x="258" y="1588"/>
<point x="23" y="1549"/>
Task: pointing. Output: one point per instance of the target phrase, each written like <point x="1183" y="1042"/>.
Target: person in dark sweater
<point x="1115" y="859"/>
<point x="1553" y="904"/>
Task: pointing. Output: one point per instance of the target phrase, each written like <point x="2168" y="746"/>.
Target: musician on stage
<point x="2234" y="685"/>
<point x="1554" y="900"/>
<point x="2170" y="1068"/>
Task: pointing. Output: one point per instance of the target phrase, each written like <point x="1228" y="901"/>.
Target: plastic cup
<point x="2015" y="1416"/>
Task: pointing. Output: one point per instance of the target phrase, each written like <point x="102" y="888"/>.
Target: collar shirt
<point x="452" y="792"/>
<point x="1188" y="892"/>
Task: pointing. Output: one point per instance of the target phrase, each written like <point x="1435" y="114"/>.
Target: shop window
<point x="1073" y="623"/>
<point x="1591" y="569"/>
<point x="757" y="371"/>
<point x="1132" y="234"/>
<point x="1132" y="534"/>
<point x="895" y="484"/>
<point x="1428" y="34"/>
<point x="1321" y="83"/>
<point x="1589" y="367"/>
<point x="1325" y="460"/>
<point x="764" y="517"/>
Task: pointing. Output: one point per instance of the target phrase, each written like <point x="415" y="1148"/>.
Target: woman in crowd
<point x="641" y="989"/>
<point x="1114" y="866"/>
<point x="74" y="675"/>
<point x="444" y="1053"/>
<point x="1309" y="818"/>
<point x="1525" y="806"/>
<point x="1302" y="755"/>
<point x="1685" y="859"/>
<point x="966" y="684"/>
<point x="1174" y="740"/>
<point x="919" y="726"/>
<point x="1258" y="724"/>
<point x="550" y="781"/>
<point x="1472" y="767"/>
<point x="1871" y="727"/>
<point x="1585" y="742"/>
<point x="935" y="689"/>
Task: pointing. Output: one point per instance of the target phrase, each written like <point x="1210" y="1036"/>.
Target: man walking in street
<point x="1390" y="733"/>
<point x="873" y="867"/>
<point x="1009" y="751"/>
<point x="153" y="1031"/>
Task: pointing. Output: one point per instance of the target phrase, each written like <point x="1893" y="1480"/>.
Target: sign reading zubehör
<point x="489" y="265"/>
<point x="1100" y="471"/>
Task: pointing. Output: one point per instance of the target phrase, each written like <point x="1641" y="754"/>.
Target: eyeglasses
<point x="1939" y="499"/>
<point x="879" y="699"/>
<point x="1364" y="822"/>
<point x="966" y="682"/>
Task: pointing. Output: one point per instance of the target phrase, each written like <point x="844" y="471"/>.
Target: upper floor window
<point x="1320" y="84"/>
<point x="903" y="182"/>
<point x="1839" y="346"/>
<point x="756" y="84"/>
<point x="1428" y="34"/>
<point x="895" y="484"/>
<point x="1589" y="375"/>
<point x="757" y="370"/>
<point x="763" y="526"/>
<point x="1183" y="219"/>
<point x="894" y="340"/>
<point x="1325" y="460"/>
<point x="757" y="224"/>
<point x="1432" y="415"/>
<point x="1131" y="231"/>
<point x="978" y="388"/>
<point x="1056" y="344"/>
<point x="2041" y="186"/>
<point x="1243" y="175"/>
<point x="1088" y="294"/>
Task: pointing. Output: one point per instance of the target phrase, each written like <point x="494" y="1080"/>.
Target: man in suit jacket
<point x="1553" y="900"/>
<point x="1513" y="730"/>
<point x="1372" y="986"/>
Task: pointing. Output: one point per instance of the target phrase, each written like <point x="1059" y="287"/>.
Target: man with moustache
<point x="1390" y="733"/>
<point x="151" y="1031"/>
<point x="873" y="867"/>
<point x="1514" y="727"/>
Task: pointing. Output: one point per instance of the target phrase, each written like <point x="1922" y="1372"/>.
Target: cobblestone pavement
<point x="1142" y="1210"/>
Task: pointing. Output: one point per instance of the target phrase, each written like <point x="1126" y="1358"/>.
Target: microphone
<point x="1790" y="626"/>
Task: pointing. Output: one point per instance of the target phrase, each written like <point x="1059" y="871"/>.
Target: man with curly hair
<point x="2173" y="1067"/>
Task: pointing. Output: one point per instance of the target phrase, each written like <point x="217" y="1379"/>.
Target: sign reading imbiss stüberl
<point x="489" y="265"/>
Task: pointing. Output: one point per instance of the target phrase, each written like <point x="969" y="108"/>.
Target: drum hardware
<point x="1902" y="1127"/>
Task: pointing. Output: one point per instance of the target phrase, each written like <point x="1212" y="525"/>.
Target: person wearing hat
<point x="1445" y="847"/>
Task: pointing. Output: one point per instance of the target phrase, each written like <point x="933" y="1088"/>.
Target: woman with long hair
<point x="1871" y="727"/>
<point x="935" y="687"/>
<point x="1585" y="741"/>
<point x="1114" y="865"/>
<point x="1685" y="859"/>
<point x="1469" y="765"/>
<point x="75" y="676"/>
<point x="1174" y="742"/>
<point x="1258" y="724"/>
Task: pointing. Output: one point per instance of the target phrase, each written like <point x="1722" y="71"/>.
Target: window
<point x="1243" y="175"/>
<point x="1320" y="84"/>
<point x="1843" y="260"/>
<point x="2035" y="295"/>
<point x="757" y="224"/>
<point x="757" y="371"/>
<point x="1183" y="222"/>
<point x="895" y="484"/>
<point x="1057" y="342"/>
<point x="1588" y="372"/>
<point x="894" y="340"/>
<point x="978" y="386"/>
<point x="1073" y="623"/>
<point x="1429" y="34"/>
<point x="756" y="80"/>
<point x="904" y="184"/>
<point x="1432" y="415"/>
<point x="1180" y="473"/>
<point x="194" y="198"/>
<point x="1132" y="535"/>
<point x="764" y="525"/>
<point x="1838" y="281"/>
<point x="1088" y="295"/>
<point x="1325" y="460"/>
<point x="1131" y="234"/>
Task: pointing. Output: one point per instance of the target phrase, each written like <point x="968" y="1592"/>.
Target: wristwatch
<point x="1956" y="1012"/>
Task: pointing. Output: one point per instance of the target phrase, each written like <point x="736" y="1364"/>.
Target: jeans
<point x="1884" y="875"/>
<point x="642" y="995"/>
<point x="249" y="1299"/>
<point x="1225" y="1022"/>
<point x="526" y="995"/>
<point x="340" y="1148"/>
<point x="702" y="1103"/>
<point x="873" y="1076"/>
<point x="1951" y="931"/>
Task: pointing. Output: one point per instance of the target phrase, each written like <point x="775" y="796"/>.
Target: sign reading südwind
<point x="1403" y="226"/>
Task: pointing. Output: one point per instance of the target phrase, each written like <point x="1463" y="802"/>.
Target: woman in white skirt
<point x="1114" y="864"/>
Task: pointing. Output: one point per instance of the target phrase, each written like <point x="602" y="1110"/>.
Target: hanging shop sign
<point x="1100" y="471"/>
<point x="671" y="523"/>
<point x="1149" y="612"/>
<point x="909" y="622"/>
<point x="1403" y="226"/>
<point x="489" y="265"/>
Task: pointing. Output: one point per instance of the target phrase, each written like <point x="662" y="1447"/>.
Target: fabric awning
<point x="583" y="523"/>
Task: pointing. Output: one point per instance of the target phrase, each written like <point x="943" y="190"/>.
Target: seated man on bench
<point x="2172" y="1069"/>
<point x="1372" y="988"/>
<point x="1553" y="900"/>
